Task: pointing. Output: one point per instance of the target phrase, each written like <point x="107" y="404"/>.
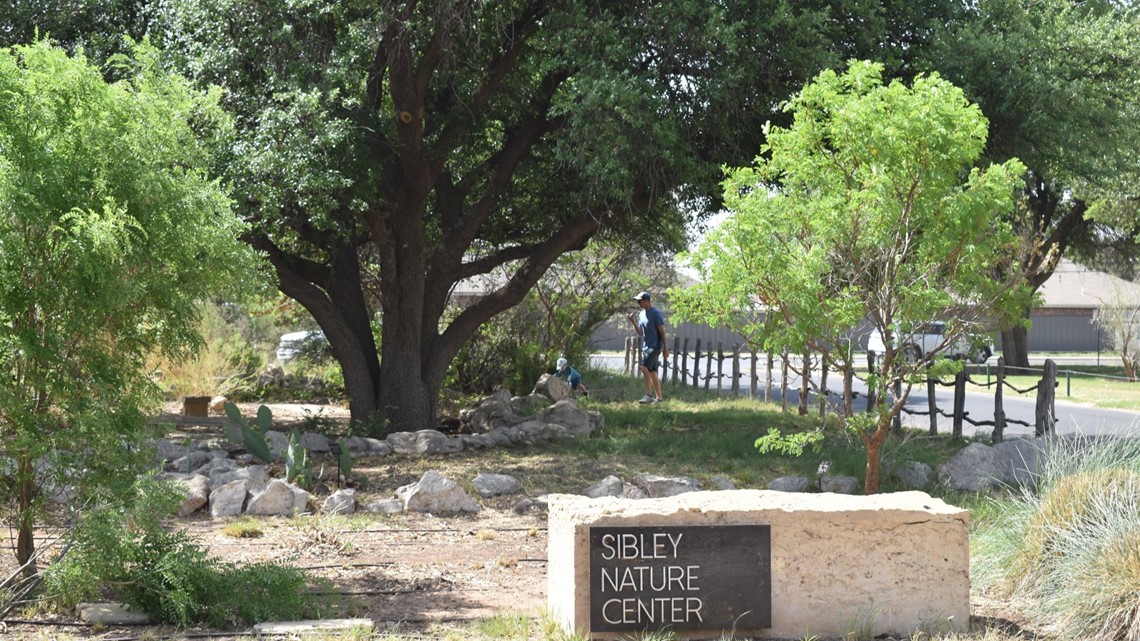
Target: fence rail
<point x="684" y="368"/>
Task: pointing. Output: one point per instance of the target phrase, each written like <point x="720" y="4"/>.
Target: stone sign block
<point x="757" y="562"/>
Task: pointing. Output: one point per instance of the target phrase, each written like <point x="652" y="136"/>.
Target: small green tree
<point x="110" y="232"/>
<point x="865" y="210"/>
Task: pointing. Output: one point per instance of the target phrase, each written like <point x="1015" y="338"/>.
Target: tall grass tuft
<point x="1069" y="549"/>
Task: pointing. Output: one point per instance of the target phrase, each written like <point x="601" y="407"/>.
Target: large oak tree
<point x="388" y="151"/>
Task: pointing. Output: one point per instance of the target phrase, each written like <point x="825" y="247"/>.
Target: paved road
<point x="1071" y="417"/>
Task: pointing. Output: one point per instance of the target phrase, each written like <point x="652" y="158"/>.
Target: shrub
<point x="121" y="546"/>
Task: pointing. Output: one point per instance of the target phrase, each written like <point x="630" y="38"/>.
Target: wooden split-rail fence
<point x="699" y="369"/>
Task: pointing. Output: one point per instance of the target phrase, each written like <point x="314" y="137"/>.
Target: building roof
<point x="1074" y="285"/>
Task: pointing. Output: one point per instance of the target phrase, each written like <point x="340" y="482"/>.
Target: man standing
<point x="650" y="326"/>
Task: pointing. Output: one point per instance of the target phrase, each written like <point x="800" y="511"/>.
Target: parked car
<point x="308" y="342"/>
<point x="928" y="337"/>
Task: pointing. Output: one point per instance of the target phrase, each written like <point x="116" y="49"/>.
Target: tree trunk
<point x="874" y="445"/>
<point x="25" y="541"/>
<point x="1014" y="346"/>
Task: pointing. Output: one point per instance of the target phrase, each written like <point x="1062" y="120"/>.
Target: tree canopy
<point x="862" y="212"/>
<point x="387" y="151"/>
<point x="1060" y="84"/>
<point x="110" y="232"/>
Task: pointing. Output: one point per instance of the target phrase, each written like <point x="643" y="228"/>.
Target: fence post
<point x="999" y="411"/>
<point x="719" y="366"/>
<point x="931" y="402"/>
<point x="708" y="366"/>
<point x="735" y="370"/>
<point x="959" y="401"/>
<point x="784" y="383"/>
<point x="1046" y="396"/>
<point x="685" y="362"/>
<point x="697" y="364"/>
<point x="805" y="380"/>
<point x="870" y="388"/>
<point x="676" y="344"/>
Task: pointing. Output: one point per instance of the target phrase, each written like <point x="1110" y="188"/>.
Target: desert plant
<point x="297" y="462"/>
<point x="250" y="435"/>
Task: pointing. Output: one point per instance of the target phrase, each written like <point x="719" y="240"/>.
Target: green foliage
<point x="774" y="442"/>
<point x="122" y="546"/>
<point x="250" y="436"/>
<point x="862" y="211"/>
<point x="111" y="232"/>
<point x="297" y="462"/>
<point x="344" y="460"/>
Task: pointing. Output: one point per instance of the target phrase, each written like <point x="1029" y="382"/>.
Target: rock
<point x="722" y="482"/>
<point x="1018" y="460"/>
<point x="257" y="475"/>
<point x="278" y="443"/>
<point x="300" y="500"/>
<point x="631" y="491"/>
<point x="229" y="499"/>
<point x="423" y="442"/>
<point x="839" y="484"/>
<point x="477" y="441"/>
<point x="489" y="485"/>
<point x="525" y="505"/>
<point x="340" y="502"/>
<point x="218" y="404"/>
<point x="567" y="414"/>
<point x="915" y="475"/>
<point x="609" y="486"/>
<point x="111" y="614"/>
<point x="197" y="493"/>
<point x="436" y="494"/>
<point x="189" y="463"/>
<point x="789" y="484"/>
<point x="661" y="486"/>
<point x="491" y="412"/>
<point x="318" y="443"/>
<point x="364" y="446"/>
<point x="167" y="450"/>
<point x="275" y="500"/>
<point x="387" y="506"/>
<point x="552" y="387"/>
<point x="974" y="468"/>
<point x="529" y="405"/>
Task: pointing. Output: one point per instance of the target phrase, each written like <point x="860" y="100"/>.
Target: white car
<point x="927" y="338"/>
<point x="293" y="344"/>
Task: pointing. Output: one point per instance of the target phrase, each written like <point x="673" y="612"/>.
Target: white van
<point x="292" y="344"/>
<point x="928" y="337"/>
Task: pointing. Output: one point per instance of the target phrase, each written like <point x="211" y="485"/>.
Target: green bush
<point x="1067" y="550"/>
<point x="121" y="547"/>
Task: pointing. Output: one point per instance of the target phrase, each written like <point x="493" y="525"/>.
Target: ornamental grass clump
<point x="1068" y="551"/>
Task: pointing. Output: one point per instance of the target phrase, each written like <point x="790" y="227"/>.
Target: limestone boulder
<point x="789" y="484"/>
<point x="609" y="486"/>
<point x="316" y="443"/>
<point x="424" y="442"/>
<point x="722" y="482"/>
<point x="275" y="500"/>
<point x="552" y="387"/>
<point x="257" y="475"/>
<point x="661" y="486"/>
<point x="386" y="506"/>
<point x="197" y="490"/>
<point x="531" y="404"/>
<point x="915" y="475"/>
<point x="490" y="485"/>
<point x="491" y="412"/>
<point x="1019" y="459"/>
<point x="566" y="413"/>
<point x="974" y="468"/>
<point x="340" y="502"/>
<point x="839" y="484"/>
<point x="229" y="499"/>
<point x="436" y="494"/>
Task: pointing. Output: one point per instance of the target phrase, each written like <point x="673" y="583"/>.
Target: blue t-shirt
<point x="648" y="321"/>
<point x="570" y="375"/>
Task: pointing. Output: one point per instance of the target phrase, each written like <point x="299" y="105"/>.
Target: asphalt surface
<point x="1071" y="418"/>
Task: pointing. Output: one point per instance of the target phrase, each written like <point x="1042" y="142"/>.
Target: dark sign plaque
<point x="701" y="577"/>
